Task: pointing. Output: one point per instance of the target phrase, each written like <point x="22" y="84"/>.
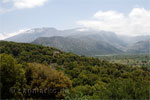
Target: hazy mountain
<point x="81" y="46"/>
<point x="133" y="39"/>
<point x="33" y="34"/>
<point x="82" y="41"/>
<point x="139" y="47"/>
<point x="108" y="37"/>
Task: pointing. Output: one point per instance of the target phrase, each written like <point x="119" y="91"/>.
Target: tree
<point x="12" y="78"/>
<point x="49" y="83"/>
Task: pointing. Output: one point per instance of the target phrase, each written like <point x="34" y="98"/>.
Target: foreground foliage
<point x="91" y="78"/>
<point x="36" y="81"/>
<point x="12" y="77"/>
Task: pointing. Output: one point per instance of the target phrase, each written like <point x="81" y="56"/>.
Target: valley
<point x="135" y="60"/>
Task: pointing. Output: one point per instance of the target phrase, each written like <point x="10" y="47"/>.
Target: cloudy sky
<point x="125" y="17"/>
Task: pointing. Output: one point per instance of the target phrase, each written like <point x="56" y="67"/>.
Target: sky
<point x="124" y="17"/>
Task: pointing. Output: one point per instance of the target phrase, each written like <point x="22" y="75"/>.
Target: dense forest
<point x="31" y="71"/>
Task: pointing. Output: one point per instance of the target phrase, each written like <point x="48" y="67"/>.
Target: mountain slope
<point x="83" y="42"/>
<point x="133" y="39"/>
<point x="33" y="34"/>
<point x="87" y="42"/>
<point x="139" y="47"/>
<point x="108" y="37"/>
<point x="81" y="46"/>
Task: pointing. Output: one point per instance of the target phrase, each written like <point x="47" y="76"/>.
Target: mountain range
<point x="139" y="47"/>
<point x="85" y="42"/>
<point x="78" y="46"/>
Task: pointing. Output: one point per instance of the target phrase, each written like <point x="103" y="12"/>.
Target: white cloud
<point x="4" y="36"/>
<point x="135" y="23"/>
<point x="20" y="4"/>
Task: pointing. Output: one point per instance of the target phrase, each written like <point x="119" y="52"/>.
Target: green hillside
<point x="69" y="76"/>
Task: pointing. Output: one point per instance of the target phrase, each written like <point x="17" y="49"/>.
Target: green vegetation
<point x="36" y="81"/>
<point x="72" y="76"/>
<point x="46" y="78"/>
<point x="12" y="77"/>
<point x="135" y="60"/>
